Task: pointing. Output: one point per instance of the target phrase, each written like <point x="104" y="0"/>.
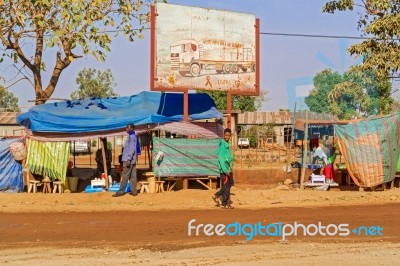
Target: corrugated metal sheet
<point x="8" y="118"/>
<point x="11" y="130"/>
<point x="280" y="118"/>
<point x="202" y="130"/>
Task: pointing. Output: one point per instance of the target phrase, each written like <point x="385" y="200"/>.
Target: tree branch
<point x="371" y="11"/>
<point x="15" y="82"/>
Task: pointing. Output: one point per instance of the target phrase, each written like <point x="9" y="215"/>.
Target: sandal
<point x="215" y="199"/>
<point x="228" y="207"/>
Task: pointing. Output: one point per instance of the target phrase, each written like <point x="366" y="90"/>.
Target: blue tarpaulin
<point x="10" y="170"/>
<point x="105" y="114"/>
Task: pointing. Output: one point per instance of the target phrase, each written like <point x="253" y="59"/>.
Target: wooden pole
<point x="304" y="164"/>
<point x="103" y="151"/>
<point x="291" y="140"/>
<point x="229" y="110"/>
<point x="186" y="106"/>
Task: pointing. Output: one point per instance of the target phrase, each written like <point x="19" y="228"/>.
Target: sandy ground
<point x="97" y="229"/>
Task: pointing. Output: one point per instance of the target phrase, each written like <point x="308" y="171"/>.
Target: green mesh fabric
<point x="186" y="157"/>
<point x="48" y="158"/>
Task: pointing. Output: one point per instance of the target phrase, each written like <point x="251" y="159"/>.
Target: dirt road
<point x="157" y="237"/>
<point x="97" y="229"/>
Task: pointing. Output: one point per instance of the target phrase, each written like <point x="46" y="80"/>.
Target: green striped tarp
<point x="48" y="158"/>
<point x="371" y="149"/>
<point x="186" y="157"/>
<point x="398" y="165"/>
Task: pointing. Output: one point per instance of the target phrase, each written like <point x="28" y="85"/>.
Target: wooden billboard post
<point x="229" y="110"/>
<point x="186" y="106"/>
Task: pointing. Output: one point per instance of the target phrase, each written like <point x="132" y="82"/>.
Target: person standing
<point x="329" y="171"/>
<point x="225" y="161"/>
<point x="129" y="158"/>
<point x="99" y="160"/>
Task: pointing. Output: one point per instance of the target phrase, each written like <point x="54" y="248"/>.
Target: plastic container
<point x="89" y="189"/>
<point x="115" y="188"/>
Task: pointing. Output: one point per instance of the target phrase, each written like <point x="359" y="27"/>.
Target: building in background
<point x="8" y="125"/>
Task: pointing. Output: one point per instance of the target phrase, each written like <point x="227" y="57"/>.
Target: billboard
<point x="204" y="49"/>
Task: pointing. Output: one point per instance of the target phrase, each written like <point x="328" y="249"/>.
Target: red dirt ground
<point x="168" y="230"/>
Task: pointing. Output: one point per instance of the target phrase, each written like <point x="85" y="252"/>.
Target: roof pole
<point x="186" y="106"/>
<point x="103" y="151"/>
<point x="304" y="164"/>
<point x="289" y="144"/>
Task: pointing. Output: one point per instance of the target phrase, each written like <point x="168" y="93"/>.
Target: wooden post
<point x="303" y="169"/>
<point x="229" y="110"/>
<point x="149" y="153"/>
<point x="74" y="154"/>
<point x="103" y="149"/>
<point x="185" y="183"/>
<point x="288" y="146"/>
<point x="186" y="106"/>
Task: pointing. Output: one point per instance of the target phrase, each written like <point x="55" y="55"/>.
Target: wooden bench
<point x="391" y="183"/>
<point x="171" y="182"/>
<point x="207" y="183"/>
<point x="144" y="187"/>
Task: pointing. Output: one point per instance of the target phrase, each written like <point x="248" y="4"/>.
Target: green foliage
<point x="256" y="133"/>
<point x="94" y="143"/>
<point x="379" y="19"/>
<point x="94" y="83"/>
<point x="324" y="82"/>
<point x="243" y="103"/>
<point x="68" y="29"/>
<point x="8" y="102"/>
<point x="354" y="94"/>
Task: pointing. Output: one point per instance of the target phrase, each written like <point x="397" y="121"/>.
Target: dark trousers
<point x="129" y="173"/>
<point x="225" y="191"/>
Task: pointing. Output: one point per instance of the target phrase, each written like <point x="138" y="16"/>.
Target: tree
<point x="239" y="102"/>
<point x="67" y="29"/>
<point x="94" y="83"/>
<point x="324" y="82"/>
<point x="8" y="102"/>
<point x="354" y="94"/>
<point x="379" y="20"/>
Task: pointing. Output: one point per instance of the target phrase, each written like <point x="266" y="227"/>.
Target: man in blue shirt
<point x="129" y="157"/>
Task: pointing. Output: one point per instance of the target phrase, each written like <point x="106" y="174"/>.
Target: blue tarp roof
<point x="104" y="114"/>
<point x="10" y="171"/>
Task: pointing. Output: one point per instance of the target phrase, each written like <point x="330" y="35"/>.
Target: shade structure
<point x="371" y="149"/>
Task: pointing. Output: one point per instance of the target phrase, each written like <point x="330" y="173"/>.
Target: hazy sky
<point x="284" y="60"/>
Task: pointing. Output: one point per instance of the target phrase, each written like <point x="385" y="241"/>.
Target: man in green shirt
<point x="225" y="161"/>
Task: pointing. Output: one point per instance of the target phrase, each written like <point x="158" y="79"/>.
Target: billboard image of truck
<point x="190" y="57"/>
<point x="205" y="49"/>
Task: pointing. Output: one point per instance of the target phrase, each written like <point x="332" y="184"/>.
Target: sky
<point x="288" y="64"/>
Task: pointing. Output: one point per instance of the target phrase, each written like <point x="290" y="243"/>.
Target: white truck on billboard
<point x="191" y="57"/>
